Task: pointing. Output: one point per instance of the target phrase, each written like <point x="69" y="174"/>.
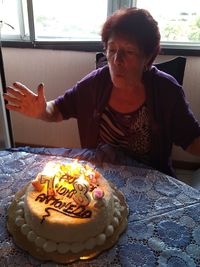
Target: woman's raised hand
<point x="23" y="100"/>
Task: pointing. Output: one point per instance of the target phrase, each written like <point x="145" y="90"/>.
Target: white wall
<point x="60" y="70"/>
<point x="191" y="85"/>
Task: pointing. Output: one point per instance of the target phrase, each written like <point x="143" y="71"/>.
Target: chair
<point x="174" y="67"/>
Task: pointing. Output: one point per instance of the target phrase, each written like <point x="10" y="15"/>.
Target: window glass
<point x="69" y="19"/>
<point x="179" y="21"/>
<point x="9" y="16"/>
<point x="13" y="14"/>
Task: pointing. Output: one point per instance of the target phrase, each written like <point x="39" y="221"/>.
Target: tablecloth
<point x="163" y="223"/>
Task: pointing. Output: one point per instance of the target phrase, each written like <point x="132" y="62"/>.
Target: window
<point x="76" y="24"/>
<point x="69" y="20"/>
<point x="179" y="21"/>
<point x="14" y="20"/>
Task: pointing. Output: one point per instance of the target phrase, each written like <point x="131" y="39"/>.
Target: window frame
<point x="88" y="46"/>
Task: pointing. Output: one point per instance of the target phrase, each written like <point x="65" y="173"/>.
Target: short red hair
<point x="136" y="25"/>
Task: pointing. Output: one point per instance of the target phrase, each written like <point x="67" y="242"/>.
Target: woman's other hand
<point x="194" y="147"/>
<point x="23" y="100"/>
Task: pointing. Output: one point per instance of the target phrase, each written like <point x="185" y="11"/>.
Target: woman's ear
<point x="151" y="59"/>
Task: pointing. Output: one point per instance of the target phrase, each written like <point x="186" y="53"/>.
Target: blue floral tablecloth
<point x="163" y="224"/>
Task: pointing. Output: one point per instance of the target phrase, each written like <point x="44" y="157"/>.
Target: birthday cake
<point x="68" y="212"/>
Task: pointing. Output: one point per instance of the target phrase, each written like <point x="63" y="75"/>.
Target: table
<point x="163" y="224"/>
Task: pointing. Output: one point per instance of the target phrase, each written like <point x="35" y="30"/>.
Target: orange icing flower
<point x="38" y="186"/>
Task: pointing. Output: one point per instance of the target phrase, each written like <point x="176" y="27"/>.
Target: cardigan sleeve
<point x="87" y="95"/>
<point x="66" y="103"/>
<point x="72" y="102"/>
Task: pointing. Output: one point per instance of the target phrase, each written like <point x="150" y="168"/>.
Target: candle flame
<point x="82" y="180"/>
<point x="51" y="169"/>
<point x="73" y="176"/>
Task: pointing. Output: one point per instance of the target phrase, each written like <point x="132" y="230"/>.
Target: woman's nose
<point x="119" y="56"/>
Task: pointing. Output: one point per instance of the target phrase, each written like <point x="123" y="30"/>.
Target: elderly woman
<point x="128" y="104"/>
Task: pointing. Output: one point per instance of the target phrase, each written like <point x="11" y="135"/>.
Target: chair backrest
<point x="174" y="67"/>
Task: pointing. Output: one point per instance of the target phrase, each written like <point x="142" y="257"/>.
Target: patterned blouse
<point x="128" y="131"/>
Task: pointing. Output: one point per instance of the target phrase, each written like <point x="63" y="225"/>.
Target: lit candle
<point x="72" y="174"/>
<point x="81" y="195"/>
<point x="47" y="177"/>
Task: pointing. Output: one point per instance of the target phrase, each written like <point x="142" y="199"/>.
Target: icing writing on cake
<point x="67" y="189"/>
<point x="70" y="209"/>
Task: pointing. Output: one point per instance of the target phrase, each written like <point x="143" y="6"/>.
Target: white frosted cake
<point x="69" y="209"/>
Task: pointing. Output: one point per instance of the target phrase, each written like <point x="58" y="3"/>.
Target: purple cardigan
<point x="171" y="118"/>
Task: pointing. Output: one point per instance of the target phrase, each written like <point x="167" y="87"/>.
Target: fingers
<point x="23" y="100"/>
<point x="13" y="107"/>
<point x="13" y="96"/>
<point x="11" y="99"/>
<point x="14" y="103"/>
<point x="21" y="87"/>
<point x="41" y="95"/>
<point x="41" y="89"/>
<point x="20" y="90"/>
<point x="14" y="92"/>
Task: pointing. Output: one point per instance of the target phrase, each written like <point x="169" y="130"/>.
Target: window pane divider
<point x="21" y="19"/>
<point x="31" y="20"/>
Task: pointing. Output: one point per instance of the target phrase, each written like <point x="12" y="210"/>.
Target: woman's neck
<point x="127" y="99"/>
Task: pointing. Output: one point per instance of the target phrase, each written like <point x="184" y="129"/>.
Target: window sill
<point x="93" y="46"/>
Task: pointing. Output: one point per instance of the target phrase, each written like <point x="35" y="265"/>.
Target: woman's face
<point x="126" y="61"/>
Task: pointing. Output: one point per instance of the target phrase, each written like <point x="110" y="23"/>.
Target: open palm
<point x="23" y="100"/>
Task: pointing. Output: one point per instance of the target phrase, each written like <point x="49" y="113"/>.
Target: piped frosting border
<point x="64" y="247"/>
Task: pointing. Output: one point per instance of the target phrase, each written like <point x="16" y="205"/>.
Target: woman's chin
<point x="119" y="82"/>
